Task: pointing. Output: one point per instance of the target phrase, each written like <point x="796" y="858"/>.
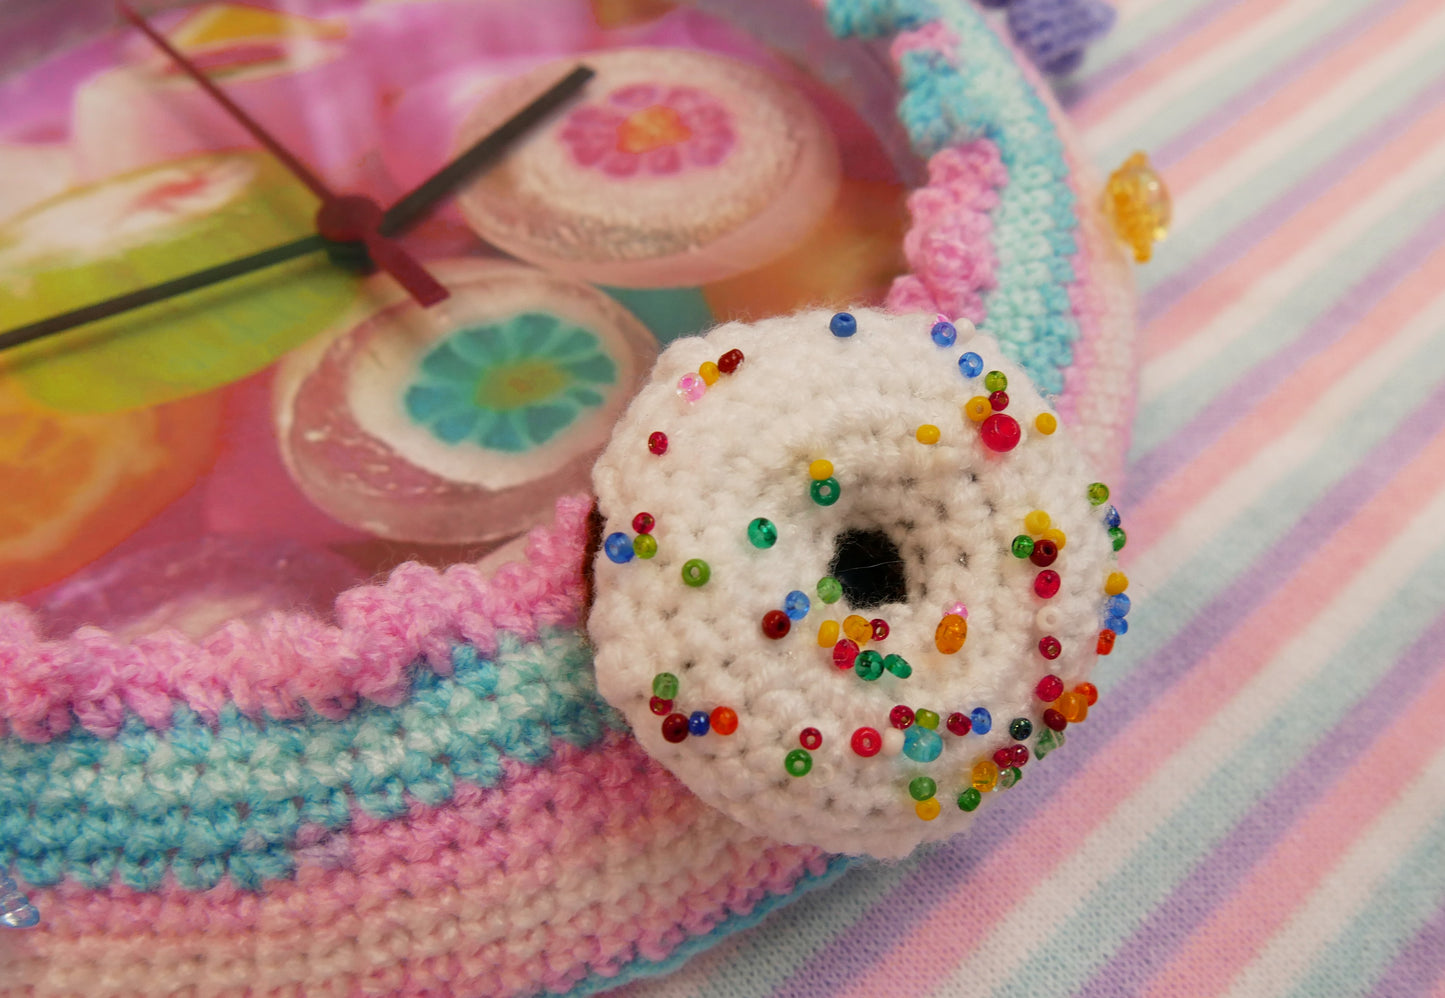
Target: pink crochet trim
<point x="94" y="677"/>
<point x="950" y="244"/>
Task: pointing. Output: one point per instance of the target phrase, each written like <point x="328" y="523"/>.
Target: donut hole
<point x="870" y="568"/>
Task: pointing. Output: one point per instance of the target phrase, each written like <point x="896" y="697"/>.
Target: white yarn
<point x="742" y="451"/>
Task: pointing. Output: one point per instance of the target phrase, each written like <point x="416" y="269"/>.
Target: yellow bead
<point x="1046" y="423"/>
<point x="1137" y="205"/>
<point x="827" y="634"/>
<point x="977" y="409"/>
<point x="1073" y="705"/>
<point x="927" y="809"/>
<point x="985" y="775"/>
<point x="858" y="628"/>
<point x="820" y="469"/>
<point x="1116" y="583"/>
<point x="709" y="372"/>
<point x="928" y="434"/>
<point x="951" y="633"/>
<point x="1056" y="535"/>
<point x="1037" y="522"/>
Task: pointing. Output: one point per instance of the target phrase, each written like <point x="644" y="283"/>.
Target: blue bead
<point x="1111" y="517"/>
<point x="944" y="334"/>
<point x="971" y="364"/>
<point x="618" y="547"/>
<point x="1118" y="606"/>
<point x="796" y="605"/>
<point x="922" y="744"/>
<point x="843" y="325"/>
<point x="982" y="720"/>
<point x="1117" y="624"/>
<point x="697" y="722"/>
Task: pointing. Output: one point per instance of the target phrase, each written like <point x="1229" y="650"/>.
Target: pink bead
<point x="957" y="610"/>
<point x="901" y="717"/>
<point x="1046" y="583"/>
<point x="643" y="523"/>
<point x="691" y="386"/>
<point x="1000" y="432"/>
<point x="1050" y="688"/>
<point x="844" y="653"/>
<point x="1050" y="649"/>
<point x="657" y="442"/>
<point x="880" y="628"/>
<point x="959" y="723"/>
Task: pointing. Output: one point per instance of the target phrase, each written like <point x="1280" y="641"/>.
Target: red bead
<point x="1046" y="583"/>
<point x="880" y="628"/>
<point x="660" y="706"/>
<point x="724" y="720"/>
<point x="643" y="523"/>
<point x="776" y="624"/>
<point x="1050" y="688"/>
<point x="657" y="442"/>
<point x="674" y="727"/>
<point x="1054" y="720"/>
<point x="901" y="717"/>
<point x="1003" y="758"/>
<point x="1106" y="642"/>
<point x="1090" y="691"/>
<point x="810" y="738"/>
<point x="959" y="723"/>
<point x="1045" y="551"/>
<point x="1018" y="754"/>
<point x="845" y="652"/>
<point x="867" y="741"/>
<point x="1000" y="432"/>
<point x="728" y="362"/>
<point x="999" y="401"/>
<point x="1050" y="649"/>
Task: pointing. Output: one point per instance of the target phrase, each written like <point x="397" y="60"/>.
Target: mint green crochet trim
<point x="980" y="92"/>
<point x="205" y="801"/>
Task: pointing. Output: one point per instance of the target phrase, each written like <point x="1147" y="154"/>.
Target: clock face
<point x="271" y="440"/>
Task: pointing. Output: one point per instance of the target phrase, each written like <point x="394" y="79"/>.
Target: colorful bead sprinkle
<point x="1106" y="642"/>
<point x="1118" y="538"/>
<point x="826" y="492"/>
<point x="898" y="666"/>
<point x="1050" y="648"/>
<point x="1048" y="741"/>
<point x="901" y="717"/>
<point x="810" y="738"/>
<point x="724" y="720"/>
<point x="922" y="787"/>
<point x="1046" y="584"/>
<point x="879" y="627"/>
<point x="1112" y="518"/>
<point x="845" y="653"/>
<point x="998" y="401"/>
<point x="1009" y="777"/>
<point x="830" y="590"/>
<point x="796" y="605"/>
<point x="1089" y="692"/>
<point x="951" y="633"/>
<point x="927" y="809"/>
<point x="1020" y="728"/>
<point x="977" y="409"/>
<point x="664" y="685"/>
<point x="728" y="362"/>
<point x="995" y="381"/>
<point x="944" y="334"/>
<point x="857" y="628"/>
<point x="926" y="717"/>
<point x="1037" y="522"/>
<point x="1000" y="433"/>
<point x="1098" y="493"/>
<point x="798" y="762"/>
<point x="970" y="364"/>
<point x="1049" y="689"/>
<point x="867" y="742"/>
<point x="820" y="469"/>
<point x="1020" y="754"/>
<point x="618" y="548"/>
<point x="928" y="434"/>
<point x="1116" y="583"/>
<point x="958" y="723"/>
<point x="644" y="545"/>
<point x="643" y="523"/>
<point x="985" y="775"/>
<point x="660" y="706"/>
<point x="1023" y="546"/>
<point x="698" y="723"/>
<point x="709" y="373"/>
<point x="868" y="665"/>
<point x="922" y="744"/>
<point x="1074" y="706"/>
<point x="762" y="533"/>
<point x="1057" y="536"/>
<point x="776" y="624"/>
<point x="828" y="632"/>
<point x="969" y="799"/>
<point x="1044" y="553"/>
<point x="1054" y="721"/>
<point x="691" y="387"/>
<point x="657" y="442"/>
<point x="695" y="572"/>
<point x="981" y="719"/>
<point x="843" y="325"/>
<point x="674" y="728"/>
<point x="1046" y="423"/>
<point x="957" y="609"/>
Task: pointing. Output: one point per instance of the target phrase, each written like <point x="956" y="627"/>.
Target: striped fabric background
<point x="1257" y="806"/>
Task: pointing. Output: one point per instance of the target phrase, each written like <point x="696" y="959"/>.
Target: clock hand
<point x="160" y="292"/>
<point x="408" y="208"/>
<point x="352" y="218"/>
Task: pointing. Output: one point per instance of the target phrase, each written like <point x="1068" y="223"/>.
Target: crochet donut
<point x="854" y="577"/>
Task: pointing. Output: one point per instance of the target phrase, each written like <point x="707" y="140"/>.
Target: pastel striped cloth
<point x="1260" y="810"/>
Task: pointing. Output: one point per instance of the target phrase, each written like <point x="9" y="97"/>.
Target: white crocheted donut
<point x="921" y="533"/>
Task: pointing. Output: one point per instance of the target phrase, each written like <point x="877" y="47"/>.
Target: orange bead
<point x="858" y="628"/>
<point x="1089" y="691"/>
<point x="951" y="633"/>
<point x="1137" y="205"/>
<point x="1116" y="583"/>
<point x="1046" y="423"/>
<point x="827" y="634"/>
<point x="977" y="409"/>
<point x="1057" y="536"/>
<point x="1106" y="642"/>
<point x="724" y="720"/>
<point x="927" y="809"/>
<point x="928" y="434"/>
<point x="1073" y="705"/>
<point x="709" y="372"/>
<point x="985" y="775"/>
<point x="820" y="470"/>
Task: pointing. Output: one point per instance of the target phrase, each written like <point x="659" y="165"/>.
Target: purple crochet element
<point x="1054" y="33"/>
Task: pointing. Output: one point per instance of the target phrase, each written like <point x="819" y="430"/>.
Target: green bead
<point x="969" y="799"/>
<point x="897" y="665"/>
<point x="830" y="590"/>
<point x="1049" y="739"/>
<point x="922" y="788"/>
<point x="1117" y="535"/>
<point x="1098" y="493"/>
<point x="1023" y="546"/>
<point x="664" y="685"/>
<point x="644" y="545"/>
<point x="995" y="381"/>
<point x="1020" y="728"/>
<point x="762" y="533"/>
<point x="1008" y="777"/>
<point x="868" y="665"/>
<point x="926" y="718"/>
<point x="825" y="492"/>
<point x="798" y="762"/>
<point x="695" y="572"/>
